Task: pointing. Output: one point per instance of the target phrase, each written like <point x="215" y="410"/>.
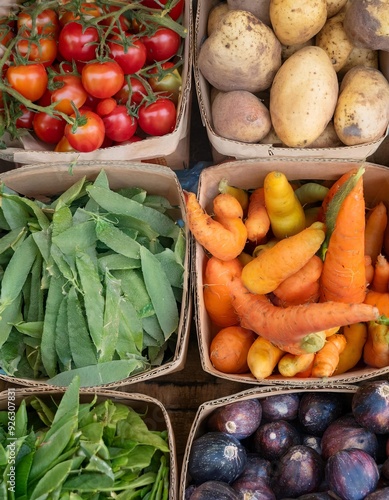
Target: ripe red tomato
<point x="89" y="135"/>
<point x="134" y="92"/>
<point x="121" y="24"/>
<point x="43" y="50"/>
<point x="46" y="23"/>
<point x="86" y="9"/>
<point x="158" y="118"/>
<point x="63" y="146"/>
<point x="76" y="42"/>
<point x="102" y="79"/>
<point x="130" y="53"/>
<point x="161" y="45"/>
<point x="105" y="106"/>
<point x="48" y="128"/>
<point x="169" y="84"/>
<point x="119" y="125"/>
<point x="29" y="80"/>
<point x="71" y="91"/>
<point x="6" y="34"/>
<point x="175" y="12"/>
<point x="25" y="119"/>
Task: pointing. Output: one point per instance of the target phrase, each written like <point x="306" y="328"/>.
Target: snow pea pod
<point x="10" y="239"/>
<point x="111" y="318"/>
<point x="78" y="237"/>
<point x="70" y="195"/>
<point x="132" y="279"/>
<point x="62" y="345"/>
<point x="31" y="208"/>
<point x="115" y="239"/>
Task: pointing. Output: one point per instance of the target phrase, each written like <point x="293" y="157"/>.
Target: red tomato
<point x="175" y="12"/>
<point x="105" y="106"/>
<point x="43" y="50"/>
<point x="76" y="42"/>
<point x="86" y="10"/>
<point x="119" y="125"/>
<point x="120" y="24"/>
<point x="26" y="118"/>
<point x="134" y="92"/>
<point x="46" y="23"/>
<point x="168" y="84"/>
<point x="48" y="128"/>
<point x="29" y="80"/>
<point x="89" y="135"/>
<point x="6" y="34"/>
<point x="71" y="91"/>
<point x="63" y="146"/>
<point x="130" y="53"/>
<point x="158" y="118"/>
<point x="102" y="79"/>
<point x="162" y="45"/>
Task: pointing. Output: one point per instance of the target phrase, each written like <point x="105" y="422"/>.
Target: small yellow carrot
<point x="292" y="364"/>
<point x="327" y="359"/>
<point x="240" y="194"/>
<point x="263" y="357"/>
<point x="376" y="348"/>
<point x="356" y="336"/>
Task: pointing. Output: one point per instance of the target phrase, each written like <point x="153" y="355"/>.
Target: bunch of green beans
<point x="90" y="283"/>
<point x="74" y="451"/>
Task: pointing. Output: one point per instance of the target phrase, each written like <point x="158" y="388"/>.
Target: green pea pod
<point x="70" y="195"/>
<point x="31" y="329"/>
<point x="77" y="238"/>
<point x="10" y="239"/>
<point x="16" y="215"/>
<point x="130" y="339"/>
<point x="93" y="297"/>
<point x="126" y="221"/>
<point x="116" y="240"/>
<point x="116" y="261"/>
<point x="111" y="318"/>
<point x="81" y="345"/>
<point x="35" y="306"/>
<point x="62" y="220"/>
<point x="173" y="269"/>
<point x="132" y="279"/>
<point x="31" y="207"/>
<point x="62" y="345"/>
<point x="12" y="315"/>
<point x="117" y="204"/>
<point x="160" y="292"/>
<point x="65" y="264"/>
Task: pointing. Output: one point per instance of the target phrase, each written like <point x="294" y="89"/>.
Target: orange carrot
<point x="369" y="270"/>
<point x="380" y="281"/>
<point x="343" y="278"/>
<point x="376" y="348"/>
<point x="301" y="287"/>
<point x="292" y="364"/>
<point x="257" y="222"/>
<point x="225" y="237"/>
<point x="376" y="223"/>
<point x="295" y="329"/>
<point x="327" y="359"/>
<point x="379" y="300"/>
<point x="332" y="192"/>
<point x="385" y="244"/>
<point x="356" y="336"/>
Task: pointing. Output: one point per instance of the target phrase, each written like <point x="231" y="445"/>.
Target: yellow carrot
<point x="327" y="359"/>
<point x="292" y="364"/>
<point x="356" y="336"/>
<point x="263" y="357"/>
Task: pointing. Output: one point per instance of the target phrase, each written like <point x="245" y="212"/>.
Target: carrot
<point x="380" y="281"/>
<point x="245" y="258"/>
<point x="225" y="237"/>
<point x="257" y="222"/>
<point x="306" y="373"/>
<point x="379" y="300"/>
<point x="356" y="336"/>
<point x="311" y="215"/>
<point x="332" y="192"/>
<point x="292" y="364"/>
<point x="272" y="266"/>
<point x="264" y="246"/>
<point x="369" y="270"/>
<point x="311" y="192"/>
<point x="262" y="358"/>
<point x="302" y="286"/>
<point x="229" y="348"/>
<point x="295" y="329"/>
<point x="327" y="359"/>
<point x="385" y="244"/>
<point x="376" y="223"/>
<point x="240" y="194"/>
<point x="376" y="349"/>
<point x="343" y="278"/>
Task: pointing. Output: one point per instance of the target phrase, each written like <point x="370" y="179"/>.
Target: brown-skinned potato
<point x="260" y="8"/>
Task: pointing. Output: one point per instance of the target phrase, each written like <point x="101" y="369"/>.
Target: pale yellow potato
<point x="240" y="116"/>
<point x="260" y="8"/>
<point x="362" y="112"/>
<point x="297" y="21"/>
<point x="360" y="57"/>
<point x="333" y="39"/>
<point x="215" y="14"/>
<point x="242" y="53"/>
<point x="303" y="97"/>
<point x="288" y="50"/>
<point x="335" y="6"/>
<point x="328" y="138"/>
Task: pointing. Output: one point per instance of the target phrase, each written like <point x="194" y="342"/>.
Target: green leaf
<point x="52" y="479"/>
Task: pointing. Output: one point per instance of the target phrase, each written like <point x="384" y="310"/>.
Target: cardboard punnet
<point x="171" y="150"/>
<point x="250" y="174"/>
<point x="51" y="179"/>
<point x="199" y="425"/>
<point x="227" y="149"/>
<point x="155" y="414"/>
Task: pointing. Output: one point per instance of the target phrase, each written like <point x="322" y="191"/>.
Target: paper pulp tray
<point x="50" y="179"/>
<point x="171" y="150"/>
<point x="199" y="425"/>
<point x="154" y="414"/>
<point x="223" y="148"/>
<point x="250" y="174"/>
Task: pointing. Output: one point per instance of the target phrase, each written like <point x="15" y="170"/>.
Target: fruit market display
<point x="294" y="445"/>
<point x="303" y="74"/>
<point x="295" y="278"/>
<point x="82" y="76"/>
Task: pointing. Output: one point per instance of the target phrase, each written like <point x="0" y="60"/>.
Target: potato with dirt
<point x="260" y="8"/>
<point x="215" y="15"/>
<point x="296" y="21"/>
<point x="303" y="97"/>
<point x="240" y="116"/>
<point x="362" y="111"/>
<point x="335" y="6"/>
<point x="242" y="53"/>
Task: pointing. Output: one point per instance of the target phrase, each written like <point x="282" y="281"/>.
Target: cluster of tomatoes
<point x="86" y="75"/>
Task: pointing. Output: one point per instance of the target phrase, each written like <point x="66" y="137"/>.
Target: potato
<point x="360" y="57"/>
<point x="242" y="53"/>
<point x="296" y="21"/>
<point x="239" y="115"/>
<point x="367" y="24"/>
<point x="328" y="139"/>
<point x="215" y="14"/>
<point x="303" y="97"/>
<point x="334" y="6"/>
<point x="362" y="112"/>
<point x="288" y="50"/>
<point x="260" y="8"/>
<point x="333" y="39"/>
<point x="272" y="138"/>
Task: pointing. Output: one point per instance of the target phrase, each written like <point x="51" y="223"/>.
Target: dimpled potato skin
<point x="241" y="54"/>
<point x="362" y="111"/>
<point x="303" y="97"/>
